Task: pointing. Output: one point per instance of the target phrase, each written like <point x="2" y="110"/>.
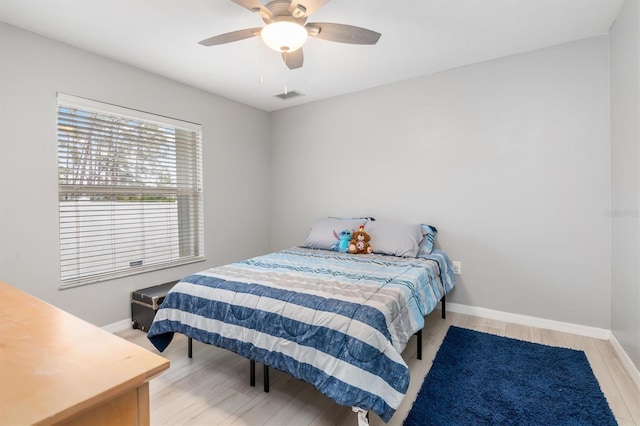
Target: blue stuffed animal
<point x="343" y="238"/>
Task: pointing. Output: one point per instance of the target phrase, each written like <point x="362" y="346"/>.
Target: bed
<point x="337" y="320"/>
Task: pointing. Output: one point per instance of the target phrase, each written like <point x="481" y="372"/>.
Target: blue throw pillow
<point x="426" y="245"/>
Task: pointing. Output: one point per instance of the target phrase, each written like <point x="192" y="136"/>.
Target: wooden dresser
<point x="58" y="369"/>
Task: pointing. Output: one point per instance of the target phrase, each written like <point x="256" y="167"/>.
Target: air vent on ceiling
<point x="288" y="95"/>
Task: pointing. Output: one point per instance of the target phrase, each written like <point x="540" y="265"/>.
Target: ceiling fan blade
<point x="304" y="8"/>
<point x="342" y="33"/>
<point x="293" y="59"/>
<point x="231" y="37"/>
<point x="255" y="6"/>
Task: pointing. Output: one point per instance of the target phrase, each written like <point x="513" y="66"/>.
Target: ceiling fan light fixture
<point x="284" y="36"/>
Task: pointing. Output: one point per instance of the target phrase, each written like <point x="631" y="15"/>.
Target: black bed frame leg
<point x="190" y="347"/>
<point x="252" y="375"/>
<point x="265" y="371"/>
<point x="419" y="332"/>
<point x="444" y="315"/>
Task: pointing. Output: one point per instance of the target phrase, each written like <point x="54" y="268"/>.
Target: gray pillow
<point x="395" y="238"/>
<point x="321" y="233"/>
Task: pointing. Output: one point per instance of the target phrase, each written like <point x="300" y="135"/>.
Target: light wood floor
<point x="213" y="387"/>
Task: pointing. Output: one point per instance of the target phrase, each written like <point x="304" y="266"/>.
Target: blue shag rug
<point x="483" y="379"/>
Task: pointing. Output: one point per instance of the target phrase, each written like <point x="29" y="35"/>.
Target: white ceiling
<point x="419" y="37"/>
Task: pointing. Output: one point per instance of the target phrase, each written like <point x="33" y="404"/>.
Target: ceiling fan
<point x="287" y="28"/>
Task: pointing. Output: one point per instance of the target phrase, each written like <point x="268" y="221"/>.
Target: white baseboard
<point x="118" y="326"/>
<point x="581" y="330"/>
<point x="626" y="361"/>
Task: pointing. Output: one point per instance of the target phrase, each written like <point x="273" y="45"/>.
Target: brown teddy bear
<point x="360" y="242"/>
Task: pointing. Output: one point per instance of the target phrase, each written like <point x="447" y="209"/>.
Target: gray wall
<point x="235" y="157"/>
<point x="625" y="179"/>
<point x="509" y="159"/>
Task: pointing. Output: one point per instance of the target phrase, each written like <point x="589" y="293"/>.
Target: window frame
<point x="185" y="190"/>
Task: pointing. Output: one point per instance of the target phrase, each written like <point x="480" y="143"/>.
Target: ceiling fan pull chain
<point x="285" y="72"/>
<point x="260" y="63"/>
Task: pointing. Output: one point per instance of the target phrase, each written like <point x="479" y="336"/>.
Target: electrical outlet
<point x="457" y="267"/>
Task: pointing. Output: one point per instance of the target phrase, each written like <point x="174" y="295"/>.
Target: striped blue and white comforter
<point x="336" y="320"/>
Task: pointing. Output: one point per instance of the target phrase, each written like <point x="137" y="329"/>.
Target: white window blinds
<point x="130" y="191"/>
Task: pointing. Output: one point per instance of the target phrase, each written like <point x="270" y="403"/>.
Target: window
<point x="129" y="191"/>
